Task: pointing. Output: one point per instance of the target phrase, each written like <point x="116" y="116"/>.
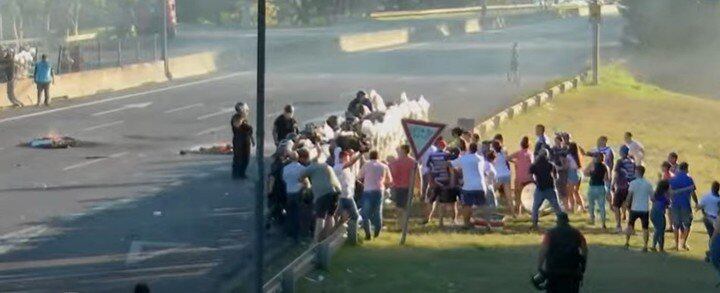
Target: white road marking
<point x="183" y="108"/>
<point x="103" y="125"/>
<point x="211" y="130"/>
<point x="126" y="107"/>
<point x="136" y="254"/>
<point x="10" y="241"/>
<point x="88" y="163"/>
<point x="124" y="97"/>
<point x="218" y="113"/>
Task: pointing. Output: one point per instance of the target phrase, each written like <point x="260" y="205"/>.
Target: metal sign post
<point x="260" y="186"/>
<point x="421" y="135"/>
<point x="595" y="19"/>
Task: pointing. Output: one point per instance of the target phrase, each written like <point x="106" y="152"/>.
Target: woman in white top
<point x="503" y="175"/>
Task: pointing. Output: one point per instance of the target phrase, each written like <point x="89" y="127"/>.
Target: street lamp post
<point x="595" y="18"/>
<point x="260" y="123"/>
<point x="165" y="39"/>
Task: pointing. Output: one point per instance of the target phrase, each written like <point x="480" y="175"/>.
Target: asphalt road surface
<point x="129" y="208"/>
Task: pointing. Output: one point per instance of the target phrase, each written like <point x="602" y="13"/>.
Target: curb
<point x="495" y="121"/>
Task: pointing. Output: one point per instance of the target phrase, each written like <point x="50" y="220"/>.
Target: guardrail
<point x="317" y="256"/>
<point x="462" y="10"/>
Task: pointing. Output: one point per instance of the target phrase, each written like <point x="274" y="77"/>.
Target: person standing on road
<point x="9" y="70"/>
<point x="284" y="125"/>
<point x="639" y="194"/>
<point x="347" y="175"/>
<point x="710" y="205"/>
<point x="599" y="174"/>
<point x="522" y="159"/>
<point x="624" y="173"/>
<point x="637" y="150"/>
<point x="295" y="189"/>
<point x="243" y="141"/>
<point x="326" y="189"/>
<point x="543" y="171"/>
<point x="563" y="257"/>
<point x="375" y="176"/>
<point x="401" y="170"/>
<point x="660" y="202"/>
<point x="682" y="189"/>
<point x="514" y="73"/>
<point x="44" y="76"/>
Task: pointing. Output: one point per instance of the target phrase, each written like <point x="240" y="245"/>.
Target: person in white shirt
<point x="637" y="151"/>
<point x="473" y="193"/>
<point x="710" y="205"/>
<point x="295" y="188"/>
<point x="639" y="194"/>
<point x="503" y="178"/>
<point x="347" y="175"/>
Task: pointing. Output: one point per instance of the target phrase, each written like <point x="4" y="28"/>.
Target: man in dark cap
<point x="285" y="124"/>
<point x="356" y="105"/>
<point x="243" y="141"/>
<point x="563" y="257"/>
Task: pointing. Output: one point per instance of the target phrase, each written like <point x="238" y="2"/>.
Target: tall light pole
<point x="259" y="155"/>
<point x="165" y="58"/>
<point x="595" y="18"/>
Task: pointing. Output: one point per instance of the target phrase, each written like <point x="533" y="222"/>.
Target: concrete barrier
<point x="92" y="82"/>
<point x="500" y="118"/>
<point x="566" y="86"/>
<point x="373" y="40"/>
<point x="516" y="110"/>
<point x="484" y="128"/>
<point x="473" y="26"/>
<point x="554" y="91"/>
<point x="529" y="103"/>
<point x="542" y="98"/>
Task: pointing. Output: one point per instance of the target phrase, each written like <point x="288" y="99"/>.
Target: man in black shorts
<point x="441" y="177"/>
<point x="624" y="174"/>
<point x="326" y="190"/>
<point x="639" y="193"/>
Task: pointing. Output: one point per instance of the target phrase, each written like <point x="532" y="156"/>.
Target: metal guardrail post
<point x="99" y="53"/>
<point x="137" y="48"/>
<point x="155" y="47"/>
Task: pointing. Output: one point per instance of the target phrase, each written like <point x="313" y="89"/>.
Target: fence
<point x="87" y="52"/>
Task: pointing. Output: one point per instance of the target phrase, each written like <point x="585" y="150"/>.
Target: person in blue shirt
<point x="44" y="76"/>
<point x="683" y="189"/>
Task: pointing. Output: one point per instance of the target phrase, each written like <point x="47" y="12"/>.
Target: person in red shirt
<point x="401" y="169"/>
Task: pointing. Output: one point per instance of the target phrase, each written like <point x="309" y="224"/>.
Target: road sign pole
<point x="260" y="186"/>
<point x="165" y="40"/>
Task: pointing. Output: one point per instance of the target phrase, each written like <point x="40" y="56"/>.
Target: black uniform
<point x="284" y="126"/>
<point x="565" y="264"/>
<point x="242" y="144"/>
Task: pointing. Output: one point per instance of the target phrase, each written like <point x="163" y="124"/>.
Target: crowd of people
<point x="22" y="64"/>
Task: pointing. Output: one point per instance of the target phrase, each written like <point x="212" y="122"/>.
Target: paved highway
<point x="128" y="208"/>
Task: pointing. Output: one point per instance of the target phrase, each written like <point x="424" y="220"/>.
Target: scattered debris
<point x="217" y="149"/>
<point x="157" y="213"/>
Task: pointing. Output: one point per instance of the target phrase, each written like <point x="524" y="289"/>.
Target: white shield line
<point x="218" y="113"/>
<point x="136" y="254"/>
<point x="211" y="130"/>
<point x="10" y="241"/>
<point x="183" y="108"/>
<point x="103" y="125"/>
<point x="88" y="163"/>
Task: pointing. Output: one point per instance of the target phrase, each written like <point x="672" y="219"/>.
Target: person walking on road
<point x="639" y="194"/>
<point x="563" y="257"/>
<point x="44" y="76"/>
<point x="513" y="75"/>
<point x="682" y="189"/>
<point x="599" y="174"/>
<point x="243" y="141"/>
<point x="284" y="125"/>
<point x="544" y="173"/>
<point x="375" y="176"/>
<point x="9" y="70"/>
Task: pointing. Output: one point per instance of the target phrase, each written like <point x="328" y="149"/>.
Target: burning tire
<point x="220" y="149"/>
<point x="53" y="142"/>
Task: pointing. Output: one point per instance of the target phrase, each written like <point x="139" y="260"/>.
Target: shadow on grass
<point x="429" y="267"/>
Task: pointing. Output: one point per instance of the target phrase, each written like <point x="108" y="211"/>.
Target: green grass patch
<point x="453" y="260"/>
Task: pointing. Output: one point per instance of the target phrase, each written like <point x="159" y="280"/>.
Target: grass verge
<point x="447" y="260"/>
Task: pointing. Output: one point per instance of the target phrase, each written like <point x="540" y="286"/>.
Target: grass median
<point x="450" y="260"/>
